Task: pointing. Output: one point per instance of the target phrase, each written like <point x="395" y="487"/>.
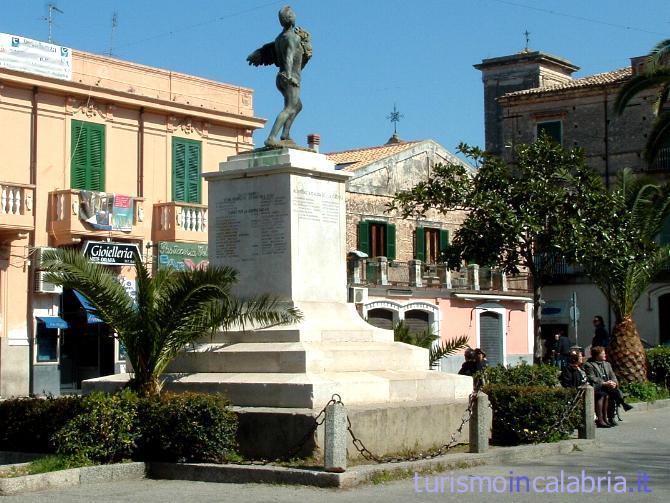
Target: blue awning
<point x="91" y="312"/>
<point x="53" y="321"/>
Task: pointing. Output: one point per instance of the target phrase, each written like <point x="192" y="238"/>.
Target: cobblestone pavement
<point x="640" y="444"/>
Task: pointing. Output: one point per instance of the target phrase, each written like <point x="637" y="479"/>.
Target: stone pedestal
<point x="278" y="218"/>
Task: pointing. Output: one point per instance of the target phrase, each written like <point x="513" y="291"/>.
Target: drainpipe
<point x="607" y="187"/>
<point x="31" y="235"/>
<point x="140" y="155"/>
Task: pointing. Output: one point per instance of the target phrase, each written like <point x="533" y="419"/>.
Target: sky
<point x="368" y="55"/>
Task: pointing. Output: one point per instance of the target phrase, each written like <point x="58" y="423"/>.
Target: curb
<point x="645" y="406"/>
<point x="72" y="477"/>
<point x="243" y="474"/>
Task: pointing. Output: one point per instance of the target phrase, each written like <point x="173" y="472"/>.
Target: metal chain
<point x="433" y="453"/>
<point x="318" y="421"/>
<point x="541" y="436"/>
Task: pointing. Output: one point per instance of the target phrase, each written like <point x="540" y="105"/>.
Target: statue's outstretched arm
<point x="263" y="56"/>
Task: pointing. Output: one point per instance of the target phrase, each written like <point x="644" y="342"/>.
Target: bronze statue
<point x="290" y="51"/>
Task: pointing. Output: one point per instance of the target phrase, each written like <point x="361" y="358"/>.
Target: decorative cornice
<point x="186" y="125"/>
<point x="89" y="108"/>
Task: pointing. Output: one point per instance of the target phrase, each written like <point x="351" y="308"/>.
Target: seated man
<point x="601" y="376"/>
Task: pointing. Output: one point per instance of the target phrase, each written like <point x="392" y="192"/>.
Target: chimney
<point x="313" y="141"/>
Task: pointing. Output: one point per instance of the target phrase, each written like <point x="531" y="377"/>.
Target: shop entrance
<point x="86" y="346"/>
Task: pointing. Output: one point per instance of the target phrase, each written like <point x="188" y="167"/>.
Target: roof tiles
<point x="351" y="160"/>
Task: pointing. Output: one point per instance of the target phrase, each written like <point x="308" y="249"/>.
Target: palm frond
<point x="638" y="84"/>
<point x="658" y="138"/>
<point x="658" y="56"/>
<point x="445" y="348"/>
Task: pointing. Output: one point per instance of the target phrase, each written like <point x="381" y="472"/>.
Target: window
<point x="552" y="129"/>
<point x="664" y="237"/>
<point x="186" y="168"/>
<point x="377" y="239"/>
<point x="429" y="244"/>
<point x="46" y="340"/>
<point x="87" y="168"/>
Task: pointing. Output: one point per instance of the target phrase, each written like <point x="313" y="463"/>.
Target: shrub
<point x="105" y="431"/>
<point x="644" y="391"/>
<point x="659" y="365"/>
<point x="532" y="414"/>
<point x="521" y="375"/>
<point x="28" y="424"/>
<point x="187" y="427"/>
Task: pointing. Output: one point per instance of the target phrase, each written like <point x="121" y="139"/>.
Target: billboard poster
<point x="23" y="54"/>
<point x="182" y="256"/>
<point x="103" y="211"/>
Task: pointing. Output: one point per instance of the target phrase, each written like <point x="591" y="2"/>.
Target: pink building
<point x="105" y="152"/>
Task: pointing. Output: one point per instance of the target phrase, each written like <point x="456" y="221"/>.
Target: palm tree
<point x="624" y="257"/>
<point x="172" y="309"/>
<point x="656" y="75"/>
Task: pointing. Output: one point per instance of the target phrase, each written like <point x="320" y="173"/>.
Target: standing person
<point x="290" y="52"/>
<point x="552" y="350"/>
<point x="469" y="366"/>
<point x="563" y="349"/>
<point x="601" y="337"/>
<point x="480" y="359"/>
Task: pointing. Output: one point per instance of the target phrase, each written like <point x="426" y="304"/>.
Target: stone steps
<point x="295" y="357"/>
<point x="311" y="390"/>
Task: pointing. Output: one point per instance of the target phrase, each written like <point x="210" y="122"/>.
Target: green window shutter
<point x="193" y="164"/>
<point x="186" y="169"/>
<point x="364" y="237"/>
<point x="420" y="244"/>
<point x="390" y="241"/>
<point x="444" y="240"/>
<point x="178" y="170"/>
<point x="87" y="168"/>
<point x="96" y="172"/>
<point x="665" y="232"/>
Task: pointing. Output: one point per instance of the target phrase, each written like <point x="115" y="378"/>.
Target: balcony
<point x="662" y="161"/>
<point x="66" y="227"/>
<point x="180" y="222"/>
<point x="16" y="208"/>
<point x="380" y="272"/>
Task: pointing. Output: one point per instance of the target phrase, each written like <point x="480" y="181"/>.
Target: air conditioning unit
<point x="38" y="256"/>
<point x="358" y="295"/>
<point x="44" y="286"/>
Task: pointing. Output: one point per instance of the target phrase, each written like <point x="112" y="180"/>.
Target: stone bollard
<point x="480" y="424"/>
<point x="587" y="428"/>
<point x="335" y="438"/>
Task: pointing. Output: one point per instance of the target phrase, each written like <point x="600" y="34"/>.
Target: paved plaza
<point x="639" y="444"/>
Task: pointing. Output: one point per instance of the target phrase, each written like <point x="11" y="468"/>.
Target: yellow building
<point x="97" y="154"/>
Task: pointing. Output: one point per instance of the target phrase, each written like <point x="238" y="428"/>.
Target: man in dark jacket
<point x="563" y="350"/>
<point x="601" y="337"/>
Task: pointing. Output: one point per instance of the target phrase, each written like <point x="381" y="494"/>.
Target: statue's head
<point x="286" y="17"/>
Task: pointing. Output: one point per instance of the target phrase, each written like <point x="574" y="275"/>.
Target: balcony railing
<point x="181" y="222"/>
<point x="662" y="161"/>
<point x="379" y="271"/>
<point x="66" y="226"/>
<point x="16" y="207"/>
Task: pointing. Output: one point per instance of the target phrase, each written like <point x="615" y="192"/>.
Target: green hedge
<point x="521" y="375"/>
<point x="532" y="414"/>
<point x="186" y="428"/>
<point x="109" y="428"/>
<point x="659" y="365"/>
<point x="29" y="424"/>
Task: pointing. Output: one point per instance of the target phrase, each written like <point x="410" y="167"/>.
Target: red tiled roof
<point x="357" y="158"/>
<point x="600" y="79"/>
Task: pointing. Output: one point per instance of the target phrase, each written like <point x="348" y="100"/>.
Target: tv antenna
<point x="49" y="18"/>
<point x="115" y="23"/>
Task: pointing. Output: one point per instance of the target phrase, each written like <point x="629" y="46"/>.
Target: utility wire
<point x="197" y="25"/>
<point x="581" y="18"/>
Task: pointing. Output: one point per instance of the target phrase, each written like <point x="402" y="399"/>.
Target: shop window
<point x="553" y="129"/>
<point x="186" y="170"/>
<point x="430" y="244"/>
<point x="87" y="151"/>
<point x="377" y="239"/>
<point x="46" y="341"/>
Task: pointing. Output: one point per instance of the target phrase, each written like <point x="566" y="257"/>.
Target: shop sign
<point x="104" y="252"/>
<point x="32" y="56"/>
<point x="182" y="256"/>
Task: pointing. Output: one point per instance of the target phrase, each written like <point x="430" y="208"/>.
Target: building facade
<point x="532" y="92"/>
<point x="105" y="156"/>
<point x="395" y="267"/>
